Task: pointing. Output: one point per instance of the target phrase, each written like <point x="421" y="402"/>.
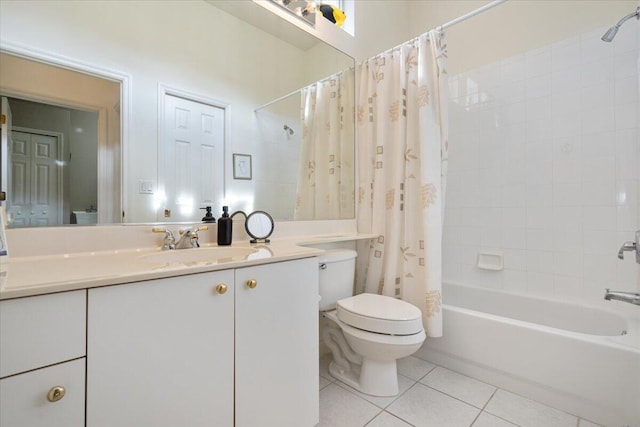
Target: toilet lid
<point x="381" y="314"/>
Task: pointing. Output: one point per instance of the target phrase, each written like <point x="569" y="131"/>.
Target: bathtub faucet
<point x="630" y="297"/>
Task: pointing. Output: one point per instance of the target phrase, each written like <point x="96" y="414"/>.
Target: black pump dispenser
<point x="225" y="224"/>
<point x="208" y="217"/>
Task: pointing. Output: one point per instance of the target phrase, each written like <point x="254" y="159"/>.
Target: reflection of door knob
<point x="252" y="283"/>
<point x="32" y="212"/>
<point x="44" y="212"/>
<point x="221" y="288"/>
<point x="56" y="393"/>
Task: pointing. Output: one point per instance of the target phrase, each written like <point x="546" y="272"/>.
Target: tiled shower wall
<point x="544" y="169"/>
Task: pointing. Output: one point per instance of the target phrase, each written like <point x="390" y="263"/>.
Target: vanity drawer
<point x="41" y="330"/>
<point x="25" y="397"/>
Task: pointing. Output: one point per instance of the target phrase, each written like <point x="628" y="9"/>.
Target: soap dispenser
<point x="225" y="227"/>
<point x="208" y="217"/>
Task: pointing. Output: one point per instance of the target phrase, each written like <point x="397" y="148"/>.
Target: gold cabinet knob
<point x="252" y="283"/>
<point x="221" y="288"/>
<point x="56" y="393"/>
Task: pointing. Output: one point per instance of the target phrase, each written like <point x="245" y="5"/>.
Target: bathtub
<point x="582" y="360"/>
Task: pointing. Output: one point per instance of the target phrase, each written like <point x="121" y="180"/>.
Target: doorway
<point x="193" y="149"/>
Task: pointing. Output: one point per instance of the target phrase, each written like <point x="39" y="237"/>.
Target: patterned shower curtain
<point x="327" y="162"/>
<point x="402" y="149"/>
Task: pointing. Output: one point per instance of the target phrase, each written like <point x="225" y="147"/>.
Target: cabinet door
<point x="23" y="398"/>
<point x="160" y="353"/>
<point x="277" y="345"/>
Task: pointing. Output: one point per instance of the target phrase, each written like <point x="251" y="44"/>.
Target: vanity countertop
<point x="36" y="275"/>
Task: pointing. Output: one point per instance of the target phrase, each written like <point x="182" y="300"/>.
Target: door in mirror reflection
<point x="52" y="156"/>
<point x="194" y="159"/>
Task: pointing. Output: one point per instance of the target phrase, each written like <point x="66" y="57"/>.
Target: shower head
<point x="611" y="32"/>
<point x="288" y="130"/>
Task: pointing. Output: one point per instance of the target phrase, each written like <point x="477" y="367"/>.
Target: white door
<point x="33" y="197"/>
<point x="194" y="157"/>
<point x="5" y="135"/>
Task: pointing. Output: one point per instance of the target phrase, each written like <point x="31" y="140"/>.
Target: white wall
<point x="187" y="45"/>
<point x="512" y="27"/>
<point x="544" y="168"/>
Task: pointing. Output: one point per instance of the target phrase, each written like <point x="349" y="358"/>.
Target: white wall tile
<point x="540" y="261"/>
<point x="512" y="69"/>
<point x="537" y="62"/>
<point x="515" y="281"/>
<point x="598" y="120"/>
<point x="626" y="64"/>
<point x="597" y="73"/>
<point x="626" y="116"/>
<point x="538" y="86"/>
<point x="552" y="167"/>
<point x="540" y="284"/>
<point x="592" y="47"/>
<point x="565" y="54"/>
<point x="514" y="238"/>
<point x="568" y="263"/>
<point x="599" y="218"/>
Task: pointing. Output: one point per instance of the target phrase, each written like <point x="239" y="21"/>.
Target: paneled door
<point x="34" y="197"/>
<point x="194" y="157"/>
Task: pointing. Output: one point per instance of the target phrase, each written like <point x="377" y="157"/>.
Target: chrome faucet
<point x="630" y="297"/>
<point x="189" y="237"/>
<point x="169" y="240"/>
<point x="631" y="247"/>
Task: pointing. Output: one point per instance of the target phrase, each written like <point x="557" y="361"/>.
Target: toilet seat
<point x="380" y="314"/>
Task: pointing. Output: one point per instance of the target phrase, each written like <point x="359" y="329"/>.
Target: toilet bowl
<point x="366" y="333"/>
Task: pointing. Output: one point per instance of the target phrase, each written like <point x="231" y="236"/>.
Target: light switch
<point x="145" y="186"/>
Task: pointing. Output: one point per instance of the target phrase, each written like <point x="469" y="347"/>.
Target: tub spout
<point x="630" y="297"/>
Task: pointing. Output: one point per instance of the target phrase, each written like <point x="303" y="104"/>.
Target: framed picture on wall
<point x="241" y="166"/>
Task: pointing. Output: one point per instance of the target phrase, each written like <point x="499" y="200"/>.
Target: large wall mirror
<point x="119" y="91"/>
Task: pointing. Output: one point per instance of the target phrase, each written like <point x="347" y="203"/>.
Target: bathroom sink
<point x="211" y="255"/>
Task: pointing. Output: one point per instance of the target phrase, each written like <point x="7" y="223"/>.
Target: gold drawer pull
<point x="252" y="283"/>
<point x="221" y="288"/>
<point x="56" y="393"/>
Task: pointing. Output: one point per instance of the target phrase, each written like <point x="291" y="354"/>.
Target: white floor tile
<point x="404" y="384"/>
<point x="526" y="412"/>
<point x="459" y="386"/>
<point x="414" y="368"/>
<point x="487" y="420"/>
<point x="324" y="382"/>
<point x="385" y="419"/>
<point x="423" y="406"/>
<point x="585" y="423"/>
<point x="341" y="408"/>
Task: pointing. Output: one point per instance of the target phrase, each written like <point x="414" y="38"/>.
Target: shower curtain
<point x="402" y="149"/>
<point x="327" y="161"/>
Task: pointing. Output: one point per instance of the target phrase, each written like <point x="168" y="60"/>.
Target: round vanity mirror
<point x="259" y="226"/>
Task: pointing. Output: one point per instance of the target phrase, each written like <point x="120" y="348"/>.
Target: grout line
<point x="374" y="417"/>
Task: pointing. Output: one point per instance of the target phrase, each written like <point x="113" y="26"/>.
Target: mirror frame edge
<point x="124" y="79"/>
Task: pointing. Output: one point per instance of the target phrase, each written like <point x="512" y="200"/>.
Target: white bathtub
<point x="582" y="360"/>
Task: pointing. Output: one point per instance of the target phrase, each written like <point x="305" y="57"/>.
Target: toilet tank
<point x="337" y="272"/>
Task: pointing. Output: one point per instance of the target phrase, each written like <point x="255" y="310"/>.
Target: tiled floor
<point x="433" y="396"/>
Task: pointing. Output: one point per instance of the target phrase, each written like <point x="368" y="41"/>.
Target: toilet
<point x="366" y="333"/>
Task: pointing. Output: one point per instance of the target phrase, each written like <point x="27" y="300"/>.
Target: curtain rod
<point x="453" y="22"/>
<point x="298" y="90"/>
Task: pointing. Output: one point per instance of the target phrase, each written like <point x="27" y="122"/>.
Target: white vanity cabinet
<point x="42" y="364"/>
<point x="277" y="345"/>
<point x="161" y="352"/>
<point x="179" y="352"/>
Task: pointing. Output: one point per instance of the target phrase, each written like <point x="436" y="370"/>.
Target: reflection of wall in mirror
<point x="243" y="65"/>
<point x="277" y="159"/>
